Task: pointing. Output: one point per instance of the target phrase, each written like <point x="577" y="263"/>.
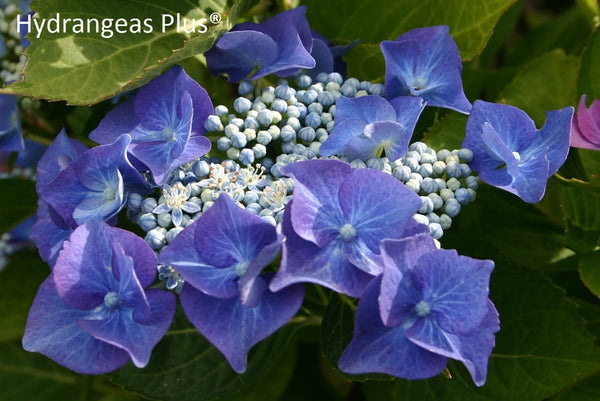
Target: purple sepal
<point x="338" y="219"/>
<point x="303" y="261"/>
<point x="425" y="62"/>
<point x="95" y="298"/>
<point x="11" y="138"/>
<point x="376" y="348"/>
<point x="280" y="45"/>
<point x="52" y="330"/>
<point x="508" y="151"/>
<point x="368" y="125"/>
<point x="234" y="328"/>
<point x="49" y="232"/>
<point x="225" y="244"/>
<point x="62" y="152"/>
<point x="165" y="120"/>
<point x="94" y="185"/>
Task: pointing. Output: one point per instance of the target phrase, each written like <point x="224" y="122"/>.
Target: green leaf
<point x="33" y="377"/>
<point x="17" y="203"/>
<point x="589" y="271"/>
<point x="499" y="226"/>
<point x="581" y="206"/>
<point x="547" y="83"/>
<point x="541" y="349"/>
<point x="590" y="68"/>
<point x="447" y="133"/>
<point x="185" y="366"/>
<point x="374" y="21"/>
<point x="85" y="68"/>
<point x="365" y="62"/>
<point x="585" y="390"/>
<point x="19" y="282"/>
<point x="567" y="30"/>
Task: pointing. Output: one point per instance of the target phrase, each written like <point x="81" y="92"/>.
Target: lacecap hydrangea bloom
<point x="220" y="257"/>
<point x="428" y="305"/>
<point x="585" y="131"/>
<point x="94" y="313"/>
<point x="425" y="62"/>
<point x="165" y="120"/>
<point x="511" y="154"/>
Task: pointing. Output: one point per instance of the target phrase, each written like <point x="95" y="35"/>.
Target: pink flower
<point x="585" y="132"/>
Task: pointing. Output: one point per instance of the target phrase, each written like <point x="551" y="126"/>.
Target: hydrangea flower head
<point x="368" y="125"/>
<point x="279" y="45"/>
<point x="96" y="184"/>
<point x="10" y="124"/>
<point x="92" y="313"/>
<point x="225" y="296"/>
<point x="586" y="126"/>
<point x="425" y="62"/>
<point x="165" y="120"/>
<point x="429" y="305"/>
<point x="336" y="221"/>
<point x="510" y="153"/>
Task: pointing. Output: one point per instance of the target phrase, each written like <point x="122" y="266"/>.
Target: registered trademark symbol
<point x="215" y="18"/>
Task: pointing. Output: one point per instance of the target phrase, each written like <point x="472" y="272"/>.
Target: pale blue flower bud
<point x="221" y="111"/>
<point x="377" y="89"/>
<point x="441" y="183"/>
<point x="465" y="170"/>
<point x="250" y="134"/>
<point x="238" y="140"/>
<point x="439" y="167"/>
<point x="465" y="155"/>
<point x="437" y="200"/>
<point x="224" y="143"/>
<point x="242" y="105"/>
<point x="326" y="99"/>
<point x="274" y="131"/>
<point x="426" y="206"/>
<point x="472" y="182"/>
<point x="332" y="87"/>
<point x="147" y="221"/>
<point x="156" y="238"/>
<point x="134" y="201"/>
<point x="164" y="220"/>
<point x="254" y="207"/>
<point x="375" y="163"/>
<point x="279" y="105"/>
<point x="433" y="218"/>
<point x="201" y="168"/>
<point x="445" y="221"/>
<point x="283" y="92"/>
<point x="307" y="134"/>
<point x="425" y="170"/>
<point x="311" y="96"/>
<point x="453" y="184"/>
<point x="288" y="134"/>
<point x="428" y="185"/>
<point x="313" y="120"/>
<point x="267" y="96"/>
<point x="435" y="230"/>
<point x="231" y="129"/>
<point x="172" y="233"/>
<point x="321" y="135"/>
<point x="292" y="111"/>
<point x="361" y="93"/>
<point x="303" y="81"/>
<point x="452" y="207"/>
<point x="259" y="151"/>
<point x="251" y="122"/>
<point x="288" y="147"/>
<point x="148" y="205"/>
<point x="213" y="123"/>
<point x="446" y="194"/>
<point x="443" y="154"/>
<point x="233" y="153"/>
<point x="413" y="185"/>
<point x="315" y="108"/>
<point x="246" y="157"/>
<point x="402" y="173"/>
